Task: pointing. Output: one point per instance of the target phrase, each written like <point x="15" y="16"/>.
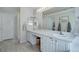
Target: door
<point x="7" y="26"/>
<point x="0" y="28"/>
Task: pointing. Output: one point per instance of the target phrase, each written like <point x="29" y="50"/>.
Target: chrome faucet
<point x="61" y="33"/>
<point x="60" y="28"/>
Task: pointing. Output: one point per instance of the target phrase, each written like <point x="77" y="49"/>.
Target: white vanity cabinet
<point x="60" y="46"/>
<point x="47" y="44"/>
<point x="50" y="42"/>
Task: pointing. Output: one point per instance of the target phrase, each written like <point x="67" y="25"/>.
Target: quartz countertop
<point x="67" y="37"/>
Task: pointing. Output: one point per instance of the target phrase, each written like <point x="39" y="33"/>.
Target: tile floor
<point x="13" y="46"/>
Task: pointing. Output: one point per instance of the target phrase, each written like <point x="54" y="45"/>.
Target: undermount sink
<point x="63" y="35"/>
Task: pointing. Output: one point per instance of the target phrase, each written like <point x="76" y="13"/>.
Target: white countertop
<point x="55" y="34"/>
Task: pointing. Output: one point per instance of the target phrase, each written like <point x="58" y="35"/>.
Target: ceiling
<point x="55" y="9"/>
<point x="13" y="9"/>
<point x="35" y="8"/>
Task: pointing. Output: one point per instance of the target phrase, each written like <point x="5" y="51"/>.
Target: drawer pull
<point x="55" y="40"/>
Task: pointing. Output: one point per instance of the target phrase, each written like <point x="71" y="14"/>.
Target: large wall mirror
<point x="60" y="21"/>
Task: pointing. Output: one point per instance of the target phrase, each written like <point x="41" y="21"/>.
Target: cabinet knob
<point x="50" y="37"/>
<point x="55" y="40"/>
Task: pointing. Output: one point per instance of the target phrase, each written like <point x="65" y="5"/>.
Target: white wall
<point x="77" y="20"/>
<point x="25" y="12"/>
<point x="39" y="18"/>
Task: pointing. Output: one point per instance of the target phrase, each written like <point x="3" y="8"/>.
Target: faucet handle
<point x="61" y="33"/>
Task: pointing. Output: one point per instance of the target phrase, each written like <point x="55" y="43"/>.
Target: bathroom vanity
<point x="53" y="23"/>
<point x="51" y="41"/>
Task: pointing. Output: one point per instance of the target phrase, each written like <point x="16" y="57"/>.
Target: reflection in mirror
<point x="53" y="28"/>
<point x="59" y="27"/>
<point x="69" y="27"/>
<point x="66" y="23"/>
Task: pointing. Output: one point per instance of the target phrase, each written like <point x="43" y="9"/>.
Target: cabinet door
<point x="28" y="35"/>
<point x="60" y="46"/>
<point x="50" y="44"/>
<point x="43" y="44"/>
<point x="31" y="37"/>
<point x="47" y="44"/>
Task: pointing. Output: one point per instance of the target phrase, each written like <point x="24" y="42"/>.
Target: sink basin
<point x="64" y="35"/>
<point x="58" y="35"/>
